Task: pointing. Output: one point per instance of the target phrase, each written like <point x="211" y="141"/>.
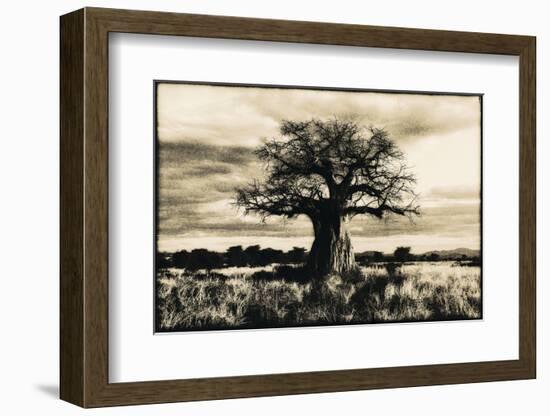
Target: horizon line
<point x="307" y="250"/>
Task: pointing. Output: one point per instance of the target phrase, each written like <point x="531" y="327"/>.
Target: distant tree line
<point x="403" y="254"/>
<point x="255" y="256"/>
<point x="235" y="256"/>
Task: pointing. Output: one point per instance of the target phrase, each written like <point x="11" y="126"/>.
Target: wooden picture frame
<point x="84" y="207"/>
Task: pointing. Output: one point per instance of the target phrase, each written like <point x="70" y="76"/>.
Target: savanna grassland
<point x="283" y="296"/>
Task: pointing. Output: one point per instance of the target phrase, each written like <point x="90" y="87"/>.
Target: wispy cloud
<point x="231" y="115"/>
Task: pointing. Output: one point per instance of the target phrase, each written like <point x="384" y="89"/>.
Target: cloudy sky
<point x="207" y="135"/>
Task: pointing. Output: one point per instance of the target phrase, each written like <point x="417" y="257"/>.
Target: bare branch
<point x="335" y="164"/>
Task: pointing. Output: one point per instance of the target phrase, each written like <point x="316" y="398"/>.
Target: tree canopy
<point x="335" y="164"/>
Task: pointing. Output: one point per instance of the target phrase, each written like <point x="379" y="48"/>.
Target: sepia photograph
<point x="284" y="206"/>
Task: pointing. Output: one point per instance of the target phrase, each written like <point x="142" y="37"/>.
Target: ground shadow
<point x="51" y="390"/>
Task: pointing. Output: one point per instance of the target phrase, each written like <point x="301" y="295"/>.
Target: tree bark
<point x="332" y="251"/>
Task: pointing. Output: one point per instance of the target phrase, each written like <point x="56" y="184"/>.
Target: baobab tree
<point x="330" y="171"/>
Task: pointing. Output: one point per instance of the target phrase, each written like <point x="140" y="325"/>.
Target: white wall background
<point x="29" y="209"/>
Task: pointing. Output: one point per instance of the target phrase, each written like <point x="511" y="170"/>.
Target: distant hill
<point x="368" y="253"/>
<point x="444" y="254"/>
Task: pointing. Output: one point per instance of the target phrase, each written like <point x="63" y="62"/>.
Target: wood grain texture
<point x="527" y="208"/>
<point x="96" y="219"/>
<point x="226" y="27"/>
<point x="84" y="205"/>
<point x="71" y="213"/>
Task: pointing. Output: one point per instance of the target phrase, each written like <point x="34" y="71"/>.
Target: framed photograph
<point x="256" y="207"/>
<point x="348" y="174"/>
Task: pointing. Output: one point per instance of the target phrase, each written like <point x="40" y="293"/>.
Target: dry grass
<point x="275" y="297"/>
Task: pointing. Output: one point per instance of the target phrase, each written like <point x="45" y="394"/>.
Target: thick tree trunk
<point x="331" y="251"/>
